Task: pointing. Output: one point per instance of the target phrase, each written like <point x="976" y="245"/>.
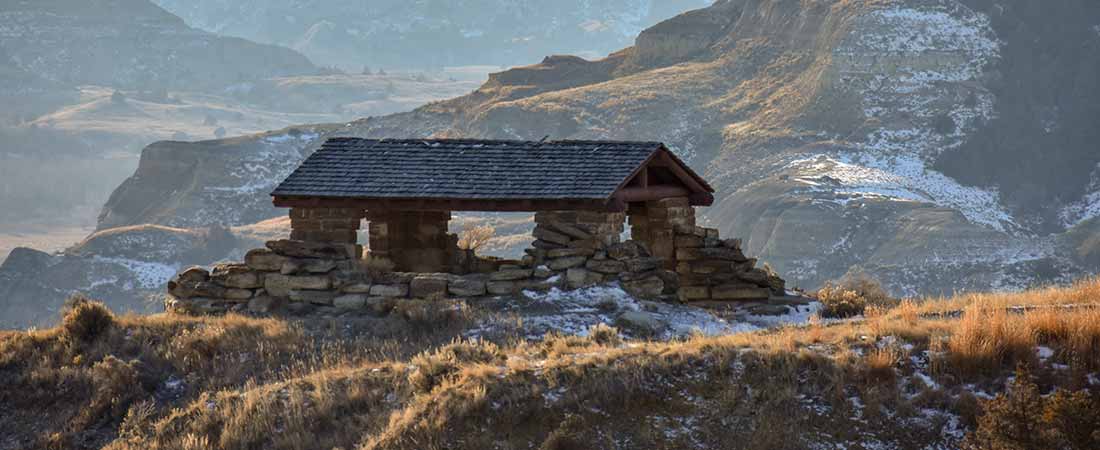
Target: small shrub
<point x="605" y="335"/>
<point x="433" y="367"/>
<point x="1023" y="419"/>
<point x="852" y="296"/>
<point x="85" y="320"/>
<point x="473" y="238"/>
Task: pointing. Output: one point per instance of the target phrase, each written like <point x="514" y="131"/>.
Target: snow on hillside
<point x="924" y="60"/>
<point x="1088" y="207"/>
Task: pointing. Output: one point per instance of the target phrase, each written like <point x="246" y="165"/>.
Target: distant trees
<point x="220" y="132"/>
<point x="118" y="98"/>
<point x="366" y="70"/>
<point x="209" y="120"/>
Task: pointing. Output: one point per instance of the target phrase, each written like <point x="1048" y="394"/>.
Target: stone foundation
<point x="572" y="250"/>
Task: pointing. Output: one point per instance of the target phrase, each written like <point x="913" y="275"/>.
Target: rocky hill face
<point x="397" y="33"/>
<point x="131" y="44"/>
<point x="939" y="145"/>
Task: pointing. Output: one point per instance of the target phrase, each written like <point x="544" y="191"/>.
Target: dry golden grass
<point x="267" y="384"/>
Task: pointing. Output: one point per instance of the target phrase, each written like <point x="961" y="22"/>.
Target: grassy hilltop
<point x="976" y="370"/>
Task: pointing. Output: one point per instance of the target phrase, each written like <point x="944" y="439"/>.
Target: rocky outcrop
<point x="222" y="182"/>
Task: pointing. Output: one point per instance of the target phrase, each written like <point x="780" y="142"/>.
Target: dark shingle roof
<point x="466" y="169"/>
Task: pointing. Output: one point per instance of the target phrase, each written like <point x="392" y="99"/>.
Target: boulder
<point x="389" y="290"/>
<point x="542" y="272"/>
<point x="739" y="292"/>
<point x="628" y="250"/>
<point x="606" y="266"/>
<point x="568" y="252"/>
<point x="720" y="253"/>
<point x="428" y="287"/>
<point x="193" y="275"/>
<point x="758" y="277"/>
<point x="350" y="302"/>
<point x="643" y="264"/>
<point x="313" y="297"/>
<point x="302" y="249"/>
<point x="689" y="241"/>
<point x="357" y="288"/>
<point x="732" y="243"/>
<point x="380" y="306"/>
<point x="543" y="233"/>
<point x="237" y="294"/>
<point x="577" y="278"/>
<point x="540" y="244"/>
<point x="569" y="230"/>
<point x="467" y="287"/>
<point x="592" y="244"/>
<point x="309" y="282"/>
<point x="501" y="287"/>
<point x="769" y="310"/>
<point x="510" y="275"/>
<point x="690" y="230"/>
<point x="303" y="265"/>
<point x="692" y="293"/>
<point x="264" y="260"/>
<point x="236" y="276"/>
<point x="640" y="322"/>
<point x="648" y="288"/>
<point x="277" y="285"/>
<point x="264" y="304"/>
<point x="566" y="263"/>
<point x="192" y="290"/>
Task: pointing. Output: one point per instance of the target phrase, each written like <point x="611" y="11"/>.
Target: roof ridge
<point x="415" y="141"/>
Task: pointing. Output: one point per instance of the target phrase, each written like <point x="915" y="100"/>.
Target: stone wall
<point x="712" y="269"/>
<point x="325" y="224"/>
<point x="572" y="250"/>
<point x="655" y="222"/>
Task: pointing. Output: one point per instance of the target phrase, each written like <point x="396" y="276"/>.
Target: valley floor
<point x="975" y="371"/>
<point x="46" y="238"/>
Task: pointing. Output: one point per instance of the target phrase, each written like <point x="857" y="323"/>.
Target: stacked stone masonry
<point x="671" y="259"/>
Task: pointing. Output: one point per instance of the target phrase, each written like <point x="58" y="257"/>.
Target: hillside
<point x="132" y="44"/>
<point x="839" y="134"/>
<point x="930" y="374"/>
<point x="431" y="34"/>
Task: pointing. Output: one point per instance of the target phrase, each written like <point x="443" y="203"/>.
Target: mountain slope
<point x="131" y="44"/>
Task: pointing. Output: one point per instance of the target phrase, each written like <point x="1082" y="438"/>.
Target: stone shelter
<point x="582" y="193"/>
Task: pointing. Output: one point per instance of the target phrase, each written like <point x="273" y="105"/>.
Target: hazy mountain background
<point x="940" y="145"/>
<point x="431" y="34"/>
<point x="87" y="84"/>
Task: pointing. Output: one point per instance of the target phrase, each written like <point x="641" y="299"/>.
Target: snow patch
<point x="1087" y="208"/>
<point x="150" y="275"/>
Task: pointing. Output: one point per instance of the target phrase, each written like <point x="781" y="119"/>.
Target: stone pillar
<point x="600" y="228"/>
<point x="414" y="241"/>
<point x="326" y="225"/>
<point x="655" y="223"/>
